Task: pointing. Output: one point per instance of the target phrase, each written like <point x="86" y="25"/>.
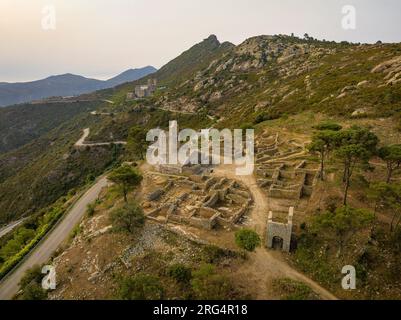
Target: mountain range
<point x="63" y="85"/>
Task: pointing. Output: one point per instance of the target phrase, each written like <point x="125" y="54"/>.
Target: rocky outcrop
<point x="391" y="68"/>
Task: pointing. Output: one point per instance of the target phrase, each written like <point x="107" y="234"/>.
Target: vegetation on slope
<point x="264" y="82"/>
<point x="21" y="124"/>
<point x="48" y="168"/>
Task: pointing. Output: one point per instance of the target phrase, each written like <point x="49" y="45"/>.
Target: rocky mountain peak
<point x="213" y="39"/>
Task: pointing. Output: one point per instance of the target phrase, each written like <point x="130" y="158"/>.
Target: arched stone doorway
<point x="278" y="243"/>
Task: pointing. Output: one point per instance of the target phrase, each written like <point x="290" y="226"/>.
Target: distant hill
<point x="130" y="75"/>
<point x="63" y="85"/>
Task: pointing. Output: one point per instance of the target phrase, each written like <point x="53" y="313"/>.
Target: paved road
<point x="10" y="227"/>
<point x="42" y="253"/>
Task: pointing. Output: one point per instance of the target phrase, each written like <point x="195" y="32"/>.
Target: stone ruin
<point x="270" y="147"/>
<point x="279" y="234"/>
<point x="288" y="181"/>
<point x="200" y="201"/>
<point x="282" y="173"/>
<point x="178" y="169"/>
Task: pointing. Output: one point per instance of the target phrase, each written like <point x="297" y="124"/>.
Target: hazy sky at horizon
<point x="101" y="38"/>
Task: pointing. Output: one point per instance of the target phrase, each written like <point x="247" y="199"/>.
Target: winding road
<point x="81" y="142"/>
<point x="44" y="250"/>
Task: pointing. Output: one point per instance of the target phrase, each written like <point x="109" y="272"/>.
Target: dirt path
<point x="264" y="265"/>
<point x="81" y="142"/>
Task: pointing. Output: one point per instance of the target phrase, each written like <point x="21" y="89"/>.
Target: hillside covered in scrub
<point x="297" y="89"/>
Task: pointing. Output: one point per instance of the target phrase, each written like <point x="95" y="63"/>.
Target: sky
<point x="101" y="38"/>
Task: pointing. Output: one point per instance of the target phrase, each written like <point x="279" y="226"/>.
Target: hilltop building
<point x="143" y="90"/>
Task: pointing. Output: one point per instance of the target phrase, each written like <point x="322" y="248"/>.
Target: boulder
<point x="362" y="83"/>
<point x="360" y="112"/>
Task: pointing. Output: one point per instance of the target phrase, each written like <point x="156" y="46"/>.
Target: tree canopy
<point x="342" y="224"/>
<point x="392" y="156"/>
<point x="388" y="196"/>
<point x="128" y="218"/>
<point x="126" y="177"/>
<point x="354" y="146"/>
<point x="323" y="143"/>
<point x="137" y="144"/>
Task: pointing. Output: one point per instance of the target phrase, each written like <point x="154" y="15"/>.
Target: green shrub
<point x="141" y="287"/>
<point x="34" y="291"/>
<point x="31" y="284"/>
<point x="20" y="239"/>
<point x="180" y="273"/>
<point x="90" y="209"/>
<point x="331" y="126"/>
<point x="9" y="264"/>
<point x="266" y="116"/>
<point x="33" y="274"/>
<point x="293" y="290"/>
<point x="247" y="239"/>
<point x="310" y="259"/>
<point x="208" y="285"/>
<point x="212" y="254"/>
<point x="128" y="218"/>
<point x="261" y="117"/>
<point x="332" y="203"/>
<point x="90" y="178"/>
<point x="76" y="231"/>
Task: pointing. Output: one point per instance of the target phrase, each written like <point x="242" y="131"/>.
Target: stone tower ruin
<point x="279" y="234"/>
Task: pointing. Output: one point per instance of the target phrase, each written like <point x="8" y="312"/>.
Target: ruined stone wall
<point x="209" y="183"/>
<point x="204" y="223"/>
<point x="170" y="169"/>
<point x="214" y="198"/>
<point x="290" y="194"/>
<point x="241" y="212"/>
